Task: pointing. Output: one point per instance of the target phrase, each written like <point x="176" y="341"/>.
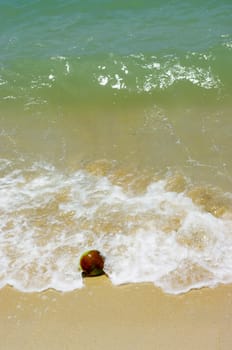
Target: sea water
<point x="116" y="135"/>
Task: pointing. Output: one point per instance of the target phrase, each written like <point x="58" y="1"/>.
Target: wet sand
<point x="102" y="316"/>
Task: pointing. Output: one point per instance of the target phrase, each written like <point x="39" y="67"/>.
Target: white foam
<point x="50" y="218"/>
<point x="155" y="74"/>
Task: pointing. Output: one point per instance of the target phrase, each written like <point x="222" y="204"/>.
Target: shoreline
<point x="103" y="316"/>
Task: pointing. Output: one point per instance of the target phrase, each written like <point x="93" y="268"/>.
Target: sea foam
<point x="159" y="230"/>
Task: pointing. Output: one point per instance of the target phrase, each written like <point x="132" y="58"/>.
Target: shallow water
<point x="116" y="135"/>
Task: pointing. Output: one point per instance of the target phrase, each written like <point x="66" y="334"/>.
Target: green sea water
<point x="129" y="91"/>
<point x="151" y="69"/>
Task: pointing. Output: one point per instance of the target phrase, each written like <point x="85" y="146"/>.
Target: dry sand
<point x="102" y="316"/>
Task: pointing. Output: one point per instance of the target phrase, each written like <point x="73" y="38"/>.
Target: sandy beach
<point x="102" y="316"/>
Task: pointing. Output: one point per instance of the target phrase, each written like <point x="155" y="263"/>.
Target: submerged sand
<point x="103" y="316"/>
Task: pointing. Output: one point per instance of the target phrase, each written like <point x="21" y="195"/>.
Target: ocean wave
<point x="110" y="77"/>
<point x="161" y="230"/>
<point x="141" y="74"/>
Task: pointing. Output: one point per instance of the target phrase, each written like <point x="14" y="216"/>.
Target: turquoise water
<point x="111" y="50"/>
<point x="116" y="135"/>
